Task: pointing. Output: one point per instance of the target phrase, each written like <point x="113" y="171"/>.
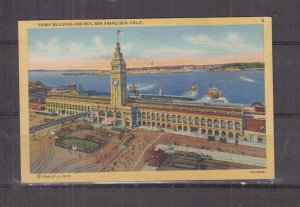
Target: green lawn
<point x="82" y="144"/>
<point x="64" y="133"/>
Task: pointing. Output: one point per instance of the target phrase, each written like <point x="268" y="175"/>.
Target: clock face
<point x="115" y="82"/>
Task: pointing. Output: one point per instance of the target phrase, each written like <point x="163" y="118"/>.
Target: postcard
<point x="146" y="100"/>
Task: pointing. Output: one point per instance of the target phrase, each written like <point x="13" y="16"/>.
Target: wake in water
<point x="207" y="99"/>
<point x="192" y="94"/>
<point x="143" y="87"/>
<point x="244" y="78"/>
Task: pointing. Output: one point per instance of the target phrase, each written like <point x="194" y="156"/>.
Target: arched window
<point x="173" y="118"/>
<point x="119" y="115"/>
<point x="197" y="121"/>
<point x="237" y="126"/>
<point x="191" y="120"/>
<point x="203" y="122"/>
<point x="209" y="132"/>
<point x="216" y="123"/>
<point x="252" y="138"/>
<point x="223" y="134"/>
<point x="158" y="116"/>
<point x="230" y="125"/>
<point x="203" y="131"/>
<point x="102" y="113"/>
<point x="143" y="116"/>
<point x="230" y="135"/>
<point x="217" y="133"/>
<point x="168" y="118"/>
<point x="163" y="117"/>
<point x="110" y="114"/>
<point x="148" y="115"/>
<point x="179" y="118"/>
<point x="223" y="124"/>
<point x="152" y="116"/>
<point x="185" y="120"/>
<point x="209" y="123"/>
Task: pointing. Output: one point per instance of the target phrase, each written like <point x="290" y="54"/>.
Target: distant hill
<point x="239" y="67"/>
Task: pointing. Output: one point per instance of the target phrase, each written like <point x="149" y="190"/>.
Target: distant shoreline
<point x="235" y="70"/>
<point x="231" y="67"/>
<point x="104" y="73"/>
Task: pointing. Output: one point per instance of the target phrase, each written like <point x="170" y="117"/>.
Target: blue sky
<point x="92" y="48"/>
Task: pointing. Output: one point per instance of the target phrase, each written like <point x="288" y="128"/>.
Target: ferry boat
<point x="194" y="88"/>
<point x="133" y="89"/>
<point x="214" y="92"/>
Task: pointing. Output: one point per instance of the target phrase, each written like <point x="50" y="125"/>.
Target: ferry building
<point x="173" y="114"/>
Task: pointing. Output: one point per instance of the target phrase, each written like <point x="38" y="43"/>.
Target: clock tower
<point x="118" y="88"/>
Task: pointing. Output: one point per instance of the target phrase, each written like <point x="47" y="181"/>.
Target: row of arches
<point x="202" y="131"/>
<point x="68" y="106"/>
<point x="62" y="107"/>
<point x="204" y="122"/>
<point x="110" y="114"/>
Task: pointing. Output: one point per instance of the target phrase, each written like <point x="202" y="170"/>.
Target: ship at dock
<point x="133" y="89"/>
<point x="194" y="88"/>
<point x="214" y="92"/>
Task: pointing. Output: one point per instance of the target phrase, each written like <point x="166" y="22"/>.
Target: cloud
<point x="232" y="42"/>
<point x="94" y="48"/>
<point x="99" y="46"/>
<point x="126" y="47"/>
<point x="171" y="52"/>
<point x="74" y="48"/>
<point x="49" y="48"/>
<point x="57" y="52"/>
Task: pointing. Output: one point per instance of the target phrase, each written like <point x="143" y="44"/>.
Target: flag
<point x="120" y="32"/>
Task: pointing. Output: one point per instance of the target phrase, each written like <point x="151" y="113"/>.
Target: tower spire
<point x="118" y="76"/>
